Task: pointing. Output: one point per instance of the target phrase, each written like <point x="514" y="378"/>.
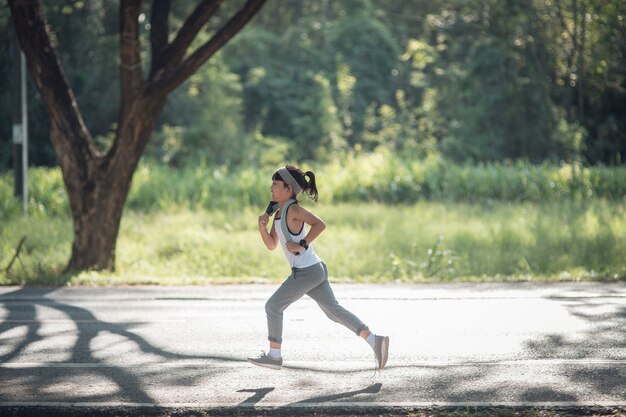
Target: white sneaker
<point x="267" y="361"/>
<point x="381" y="350"/>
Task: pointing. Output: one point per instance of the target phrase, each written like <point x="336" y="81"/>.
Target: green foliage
<point x="202" y="187"/>
<point x="203" y="121"/>
<point x="380" y="98"/>
<point x="287" y="94"/>
<point x="47" y="195"/>
<point x="381" y="177"/>
<point x="44" y="253"/>
<point x="422" y="242"/>
<point x="420" y="220"/>
<point x="471" y="80"/>
<point x="368" y="49"/>
<point x="386" y="178"/>
<point x="493" y="95"/>
<point x="437" y="262"/>
<point x="514" y="80"/>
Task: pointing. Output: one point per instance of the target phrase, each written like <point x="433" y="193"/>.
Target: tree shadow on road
<point x="601" y="340"/>
<point x="22" y="313"/>
<point x="605" y="340"/>
<point x="604" y="337"/>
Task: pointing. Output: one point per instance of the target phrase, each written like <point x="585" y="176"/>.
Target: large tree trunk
<point x="96" y="214"/>
<point x="98" y="184"/>
<point x="97" y="203"/>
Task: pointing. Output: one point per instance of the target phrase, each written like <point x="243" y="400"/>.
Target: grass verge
<point x="421" y="242"/>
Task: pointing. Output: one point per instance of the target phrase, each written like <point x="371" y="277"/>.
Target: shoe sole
<point x="266" y="365"/>
<point x="384" y="352"/>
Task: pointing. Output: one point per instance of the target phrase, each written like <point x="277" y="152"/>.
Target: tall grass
<point x="426" y="241"/>
<point x="383" y="178"/>
<point x="202" y="187"/>
<point x="387" y="219"/>
<point x="389" y="179"/>
<point x="377" y="177"/>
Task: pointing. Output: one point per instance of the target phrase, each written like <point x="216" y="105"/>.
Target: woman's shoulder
<point x="298" y="211"/>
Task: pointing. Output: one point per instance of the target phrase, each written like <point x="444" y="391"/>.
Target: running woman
<point x="309" y="274"/>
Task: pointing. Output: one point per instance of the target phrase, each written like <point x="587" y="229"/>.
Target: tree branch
<point x="173" y="53"/>
<point x="131" y="74"/>
<point x="17" y="254"/>
<point x="175" y="76"/>
<point x="159" y="32"/>
<point x="559" y="11"/>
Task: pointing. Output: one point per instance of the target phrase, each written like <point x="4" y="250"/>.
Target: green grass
<point x="366" y="178"/>
<point x="421" y="242"/>
<point x="388" y="219"/>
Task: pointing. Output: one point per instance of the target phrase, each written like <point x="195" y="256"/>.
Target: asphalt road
<point x="456" y="344"/>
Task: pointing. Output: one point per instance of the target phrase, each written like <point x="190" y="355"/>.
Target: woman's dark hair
<point x="309" y="187"/>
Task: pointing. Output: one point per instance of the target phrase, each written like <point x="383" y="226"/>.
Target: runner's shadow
<point x="372" y="389"/>
<point x="260" y="393"/>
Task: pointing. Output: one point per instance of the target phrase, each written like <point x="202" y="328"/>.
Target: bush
<point x="368" y="177"/>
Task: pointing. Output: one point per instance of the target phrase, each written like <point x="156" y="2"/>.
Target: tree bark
<point x="97" y="206"/>
<point x="98" y="184"/>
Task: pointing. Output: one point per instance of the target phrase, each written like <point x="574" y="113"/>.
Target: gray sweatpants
<point x="312" y="281"/>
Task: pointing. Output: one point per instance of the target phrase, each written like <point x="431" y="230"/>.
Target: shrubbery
<point x="389" y="218"/>
<point x="373" y="177"/>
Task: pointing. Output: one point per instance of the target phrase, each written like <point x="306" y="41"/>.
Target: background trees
<point x="473" y="80"/>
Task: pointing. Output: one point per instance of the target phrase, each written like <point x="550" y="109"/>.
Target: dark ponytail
<point x="311" y="188"/>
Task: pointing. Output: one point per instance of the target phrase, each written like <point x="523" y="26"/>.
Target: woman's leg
<point x="325" y="298"/>
<point x="295" y="286"/>
<point x="300" y="282"/>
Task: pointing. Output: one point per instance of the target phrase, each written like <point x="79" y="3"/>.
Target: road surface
<point x="451" y="345"/>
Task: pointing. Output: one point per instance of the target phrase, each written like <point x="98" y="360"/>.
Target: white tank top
<point x="306" y="258"/>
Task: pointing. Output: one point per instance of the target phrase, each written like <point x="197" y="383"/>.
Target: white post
<point x="24" y="136"/>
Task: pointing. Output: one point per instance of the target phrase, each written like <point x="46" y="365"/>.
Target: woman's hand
<point x="270" y="238"/>
<point x="263" y="220"/>
<point x="294" y="247"/>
